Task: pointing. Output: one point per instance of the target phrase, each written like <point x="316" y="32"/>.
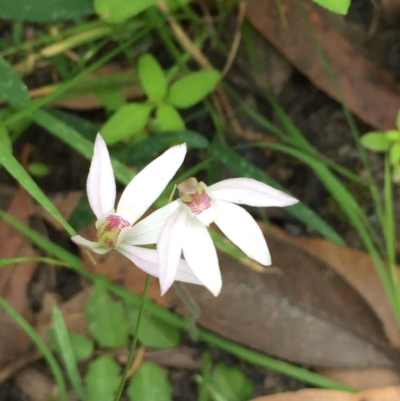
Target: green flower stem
<point x="134" y="341"/>
<point x="389" y="230"/>
<point x="30" y="331"/>
<point x="206" y="376"/>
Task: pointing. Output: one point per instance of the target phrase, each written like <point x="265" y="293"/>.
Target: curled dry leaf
<point x="376" y="394"/>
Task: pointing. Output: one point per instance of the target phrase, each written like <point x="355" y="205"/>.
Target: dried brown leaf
<point x="14" y="279"/>
<point x="376" y="394"/>
<point x="372" y="94"/>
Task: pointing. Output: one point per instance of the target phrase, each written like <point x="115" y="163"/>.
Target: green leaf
<point x="392" y="135"/>
<point x="396" y="173"/>
<point x="189" y="90"/>
<point x="111" y="98"/>
<point x="120" y="10"/>
<point x="242" y="167"/>
<point x="66" y="351"/>
<point x="102" y="379"/>
<point x="231" y="383"/>
<point x="45" y="10"/>
<point x="12" y="88"/>
<point x="82" y="345"/>
<point x="106" y="318"/>
<point x="5" y="140"/>
<point x="336" y="6"/>
<point x="168" y="118"/>
<point x="398" y="120"/>
<point x="376" y="141"/>
<point x="394" y="154"/>
<point x="127" y="121"/>
<point x="154" y="332"/>
<point x="173" y="4"/>
<point x="150" y="383"/>
<point x="38" y="169"/>
<point x="152" y="77"/>
<point x="148" y="148"/>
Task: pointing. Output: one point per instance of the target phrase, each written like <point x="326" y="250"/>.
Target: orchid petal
<point x="92" y="246"/>
<point x="169" y="248"/>
<point x="146" y="259"/>
<point x="240" y="227"/>
<point x="147" y="230"/>
<point x="201" y="256"/>
<point x="149" y="183"/>
<point x="100" y="184"/>
<point x="250" y="192"/>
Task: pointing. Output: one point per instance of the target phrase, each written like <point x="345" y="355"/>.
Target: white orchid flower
<point x="199" y="206"/>
<point x="115" y="228"/>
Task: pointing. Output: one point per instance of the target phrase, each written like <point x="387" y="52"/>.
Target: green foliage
<point x="386" y="141"/>
<point x="336" y="6"/>
<point x="152" y="77"/>
<point x="128" y="120"/>
<point x="45" y="10"/>
<point x="168" y="118"/>
<point x="102" y="379"/>
<point x="111" y="98"/>
<point x="67" y="353"/>
<point x="150" y="383"/>
<point x="5" y="140"/>
<point x="376" y="141"/>
<point x="82" y="215"/>
<point x="12" y="88"/>
<point x="153" y="332"/>
<point x="82" y="345"/>
<point x="243" y="168"/>
<point x="38" y="169"/>
<point x="106" y="318"/>
<point x="193" y="87"/>
<point x="231" y="383"/>
<point x="115" y="11"/>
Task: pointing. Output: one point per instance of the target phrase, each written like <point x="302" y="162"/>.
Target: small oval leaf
<point x="392" y="135"/>
<point x="376" y="141"/>
<point x="127" y="121"/>
<point x="189" y="90"/>
<point x="152" y="77"/>
<point x="150" y="383"/>
<point x="102" y="379"/>
<point x="231" y="383"/>
<point x="336" y="6"/>
<point x="394" y="154"/>
<point x="106" y="318"/>
<point x="169" y="119"/>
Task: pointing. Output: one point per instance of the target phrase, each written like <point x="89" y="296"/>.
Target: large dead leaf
<point x="358" y="269"/>
<point x="306" y="314"/>
<point x="377" y="394"/>
<point x="372" y="94"/>
<point x="14" y="279"/>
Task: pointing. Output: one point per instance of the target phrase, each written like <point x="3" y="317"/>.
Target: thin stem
<point x="26" y="259"/>
<point x="134" y="341"/>
<point x="194" y="310"/>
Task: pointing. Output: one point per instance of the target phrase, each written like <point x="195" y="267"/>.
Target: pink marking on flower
<point x="198" y="203"/>
<point x="109" y="229"/>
